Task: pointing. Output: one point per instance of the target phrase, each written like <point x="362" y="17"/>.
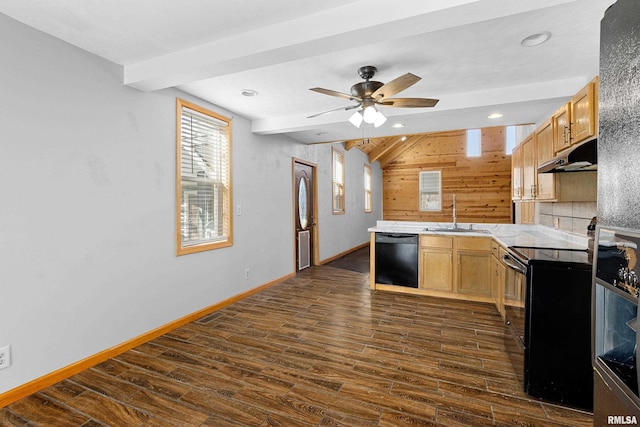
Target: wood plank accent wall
<point x="482" y="185"/>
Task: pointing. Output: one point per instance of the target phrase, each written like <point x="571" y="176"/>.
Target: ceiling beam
<point x="313" y="35"/>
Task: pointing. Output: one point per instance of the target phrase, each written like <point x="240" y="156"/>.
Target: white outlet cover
<point x="5" y="356"/>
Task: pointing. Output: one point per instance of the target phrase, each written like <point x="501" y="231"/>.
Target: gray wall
<point x="88" y="218"/>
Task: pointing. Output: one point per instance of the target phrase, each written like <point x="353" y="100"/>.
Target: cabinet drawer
<point x="474" y="243"/>
<point x="436" y="242"/>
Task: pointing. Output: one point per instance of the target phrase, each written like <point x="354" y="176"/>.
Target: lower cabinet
<point x="498" y="274"/>
<point x="474" y="265"/>
<point x="436" y="263"/>
<point x="457" y="266"/>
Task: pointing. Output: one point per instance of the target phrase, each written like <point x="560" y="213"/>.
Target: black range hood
<point x="582" y="157"/>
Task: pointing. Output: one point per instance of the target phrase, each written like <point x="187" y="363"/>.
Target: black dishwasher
<point x="396" y="259"/>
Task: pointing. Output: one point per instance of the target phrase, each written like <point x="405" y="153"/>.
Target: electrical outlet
<point x="5" y="356"/>
<point x="246" y="274"/>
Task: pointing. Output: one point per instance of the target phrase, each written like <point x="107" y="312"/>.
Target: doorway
<point x="304" y="196"/>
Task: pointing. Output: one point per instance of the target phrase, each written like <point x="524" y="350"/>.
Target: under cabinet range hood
<point x="582" y="157"/>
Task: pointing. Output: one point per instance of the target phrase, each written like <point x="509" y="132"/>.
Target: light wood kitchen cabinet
<point x="474" y="265"/>
<point x="573" y="123"/>
<point x="537" y="186"/>
<point x="498" y="271"/>
<point x="436" y="263"/>
<point x="544" y="183"/>
<point x="562" y="128"/>
<point x="527" y="212"/>
<point x="516" y="173"/>
<point x="528" y="168"/>
<point x="583" y="114"/>
<point x="456" y="266"/>
<point x="576" y="121"/>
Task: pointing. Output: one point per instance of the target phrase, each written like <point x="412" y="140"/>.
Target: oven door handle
<point x="514" y="265"/>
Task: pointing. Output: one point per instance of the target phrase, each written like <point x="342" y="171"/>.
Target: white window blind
<point x="430" y="191"/>
<point x="204" y="179"/>
<point x="337" y="161"/>
<point x="368" y="193"/>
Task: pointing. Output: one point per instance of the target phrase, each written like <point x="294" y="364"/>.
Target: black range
<point x="549" y="326"/>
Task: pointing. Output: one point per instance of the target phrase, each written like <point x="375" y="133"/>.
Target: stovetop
<point x="534" y="255"/>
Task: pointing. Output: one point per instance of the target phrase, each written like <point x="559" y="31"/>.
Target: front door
<point x="304" y="214"/>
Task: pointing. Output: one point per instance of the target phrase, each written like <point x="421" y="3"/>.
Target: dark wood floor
<point x="319" y="349"/>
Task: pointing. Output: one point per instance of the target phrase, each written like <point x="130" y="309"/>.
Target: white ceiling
<point x="467" y="52"/>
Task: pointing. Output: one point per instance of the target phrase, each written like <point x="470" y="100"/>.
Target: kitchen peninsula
<point x="465" y="262"/>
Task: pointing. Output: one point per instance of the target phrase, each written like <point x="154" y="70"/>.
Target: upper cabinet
<point x="573" y="123"/>
<point x="516" y="173"/>
<point x="534" y="150"/>
<point x="583" y="113"/>
<point x="562" y="128"/>
<point x="545" y="182"/>
<point x="576" y="121"/>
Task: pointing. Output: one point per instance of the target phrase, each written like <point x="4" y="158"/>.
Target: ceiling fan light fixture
<point x="356" y="119"/>
<point x="370" y="114"/>
<point x="380" y="119"/>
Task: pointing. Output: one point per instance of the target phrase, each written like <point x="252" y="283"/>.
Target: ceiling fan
<point x="369" y="93"/>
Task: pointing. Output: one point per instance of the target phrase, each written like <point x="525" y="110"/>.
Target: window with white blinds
<point x="337" y="184"/>
<point x="430" y="191"/>
<point x="368" y="194"/>
<point x="203" y="190"/>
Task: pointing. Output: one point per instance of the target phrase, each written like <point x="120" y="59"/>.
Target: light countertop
<point x="505" y="234"/>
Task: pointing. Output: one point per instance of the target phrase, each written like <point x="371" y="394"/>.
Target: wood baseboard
<point x="341" y="254"/>
<point x="47" y="380"/>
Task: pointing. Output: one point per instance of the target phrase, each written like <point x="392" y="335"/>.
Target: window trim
<point x="227" y="210"/>
<point x="335" y="156"/>
<point x="439" y="172"/>
<point x="368" y="192"/>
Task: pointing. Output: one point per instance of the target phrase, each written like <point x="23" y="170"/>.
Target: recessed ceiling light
<point x="403" y="139"/>
<point x="249" y="92"/>
<point x="494" y="115"/>
<point x="535" y="39"/>
<point x="397" y="125"/>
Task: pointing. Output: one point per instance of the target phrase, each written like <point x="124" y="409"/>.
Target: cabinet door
<point x="474" y="273"/>
<point x="501" y="277"/>
<point x="436" y="269"/>
<point x="583" y="114"/>
<point x="495" y="281"/>
<point x="562" y="128"/>
<point x="545" y="182"/>
<point x="527" y="213"/>
<point x="516" y="173"/>
<point x="529" y="168"/>
<point x="544" y="142"/>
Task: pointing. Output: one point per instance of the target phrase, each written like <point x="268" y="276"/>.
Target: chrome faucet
<point x="455" y="220"/>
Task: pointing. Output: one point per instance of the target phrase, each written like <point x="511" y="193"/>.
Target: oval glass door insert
<point x="303" y="210"/>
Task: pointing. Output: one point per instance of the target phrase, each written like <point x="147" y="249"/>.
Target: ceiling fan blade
<point x="350" y="107"/>
<point x="397" y="85"/>
<point x="334" y="93"/>
<point x="409" y="102"/>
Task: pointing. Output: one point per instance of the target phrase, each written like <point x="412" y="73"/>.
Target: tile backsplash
<point x="567" y="216"/>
